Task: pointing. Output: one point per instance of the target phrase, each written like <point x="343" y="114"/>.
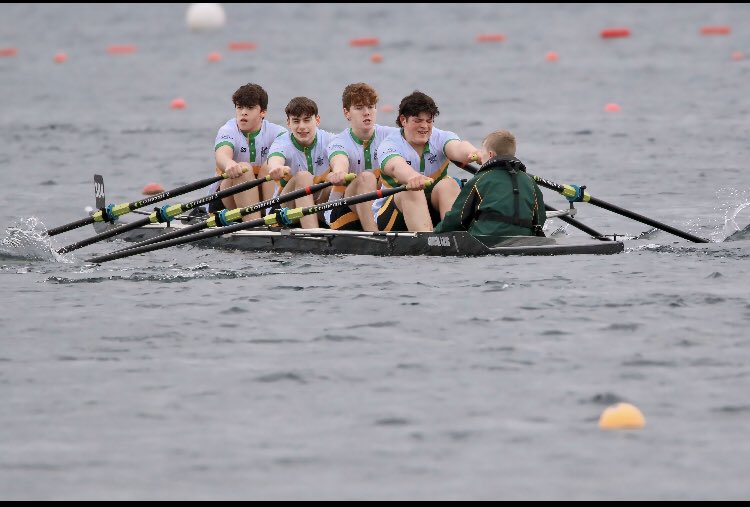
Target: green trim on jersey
<point x="223" y="143"/>
<point x="307" y="150"/>
<point x="366" y="144"/>
<point x="251" y="143"/>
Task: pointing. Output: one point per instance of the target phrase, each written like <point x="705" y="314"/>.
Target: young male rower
<point x="416" y="155"/>
<point x="243" y="143"/>
<point x="298" y="158"/>
<point x="354" y="150"/>
<point x="501" y="199"/>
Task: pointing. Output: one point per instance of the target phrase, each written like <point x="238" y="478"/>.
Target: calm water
<point x="196" y="374"/>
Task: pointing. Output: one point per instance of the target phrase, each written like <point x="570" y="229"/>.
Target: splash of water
<point x="731" y="203"/>
<point x="28" y="239"/>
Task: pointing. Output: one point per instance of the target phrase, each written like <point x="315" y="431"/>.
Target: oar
<point x="285" y="216"/>
<point x="164" y="214"/>
<point x="235" y="215"/>
<point x="579" y="194"/>
<point x="570" y="220"/>
<point x="112" y="211"/>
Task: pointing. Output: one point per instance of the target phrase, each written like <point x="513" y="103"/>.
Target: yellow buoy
<point x="622" y="416"/>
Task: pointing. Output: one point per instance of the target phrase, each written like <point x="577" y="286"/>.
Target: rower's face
<point x="303" y="128"/>
<point x="417" y="129"/>
<point x="249" y="118"/>
<point x="361" y="117"/>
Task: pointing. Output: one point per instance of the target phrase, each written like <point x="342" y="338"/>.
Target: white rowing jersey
<point x="252" y="147"/>
<point x="433" y="162"/>
<point x="312" y="159"/>
<point x="363" y="155"/>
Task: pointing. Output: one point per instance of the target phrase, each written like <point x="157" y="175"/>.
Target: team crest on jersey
<point x="319" y="161"/>
<point x="432" y="159"/>
<point x="264" y="151"/>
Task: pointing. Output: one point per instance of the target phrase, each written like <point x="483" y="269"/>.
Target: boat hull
<point x="327" y="242"/>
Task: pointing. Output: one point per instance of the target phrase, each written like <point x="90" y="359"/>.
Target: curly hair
<point x="359" y="94"/>
<point x="251" y="95"/>
<point x="415" y="104"/>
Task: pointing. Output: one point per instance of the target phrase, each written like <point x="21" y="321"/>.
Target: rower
<point x="241" y="149"/>
<point x="354" y="150"/>
<point x="501" y="199"/>
<point x="298" y="158"/>
<point x="415" y="156"/>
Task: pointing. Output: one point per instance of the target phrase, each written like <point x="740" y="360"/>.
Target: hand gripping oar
<point x="285" y="216"/>
<point x="225" y="217"/>
<point x="113" y="211"/>
<point x="578" y="194"/>
<point x="569" y="220"/>
<point x="164" y="214"/>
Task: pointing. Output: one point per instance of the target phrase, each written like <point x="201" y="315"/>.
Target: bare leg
<point x="241" y="199"/>
<point x="362" y="184"/>
<point x="444" y="195"/>
<point x="268" y="188"/>
<point x="413" y="204"/>
<point x="299" y="181"/>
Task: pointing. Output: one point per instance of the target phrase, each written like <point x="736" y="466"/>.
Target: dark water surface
<point x="195" y="374"/>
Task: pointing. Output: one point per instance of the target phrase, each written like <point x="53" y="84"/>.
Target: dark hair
<point x="251" y="95"/>
<point x="359" y="94"/>
<point x="415" y="104"/>
<point x="301" y="106"/>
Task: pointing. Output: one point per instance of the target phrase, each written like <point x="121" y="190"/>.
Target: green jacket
<point x="486" y="204"/>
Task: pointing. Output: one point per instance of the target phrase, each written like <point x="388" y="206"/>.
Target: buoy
<point x="376" y="58"/>
<point x="737" y="55"/>
<point x="715" y="30"/>
<point x="205" y="17"/>
<point x="611" y="108"/>
<point x="152" y="189"/>
<point x="364" y="41"/>
<point x="622" y="416"/>
<point x="490" y="37"/>
<point x="242" y="46"/>
<point x="387" y="108"/>
<point x="121" y="49"/>
<point x="611" y="33"/>
<point x="178" y="103"/>
<point x="8" y="51"/>
<point x="551" y="56"/>
<point x="214" y="56"/>
<point x="60" y="57"/>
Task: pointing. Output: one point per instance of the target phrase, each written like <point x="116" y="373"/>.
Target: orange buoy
<point x="611" y="108"/>
<point x="611" y="33"/>
<point x="8" y="51"/>
<point x="364" y="41"/>
<point x="551" y="56"/>
<point x="178" y="103"/>
<point x="60" y="57"/>
<point x="376" y="58"/>
<point x="152" y="189"/>
<point x="737" y="55"/>
<point x="121" y="49"/>
<point x="242" y="46"/>
<point x="490" y="37"/>
<point x="214" y="56"/>
<point x="622" y="416"/>
<point x="715" y="30"/>
<point x="387" y="108"/>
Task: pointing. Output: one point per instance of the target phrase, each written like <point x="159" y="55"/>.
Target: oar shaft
<point x="122" y="209"/>
<point x="279" y="199"/>
<point x="171" y="212"/>
<point x="646" y="220"/>
<point x="293" y="215"/>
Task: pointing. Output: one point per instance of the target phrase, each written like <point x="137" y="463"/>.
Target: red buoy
<point x="364" y="41"/>
<point x="8" y="51"/>
<point x="715" y="30"/>
<point x="152" y="189"/>
<point x="121" y="49"/>
<point x="490" y="37"/>
<point x="242" y="46"/>
<point x="611" y="33"/>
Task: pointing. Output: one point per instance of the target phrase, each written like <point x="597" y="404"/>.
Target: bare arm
<point x="461" y="151"/>
<point x="226" y="164"/>
<point x="396" y="167"/>
<point x="339" y="169"/>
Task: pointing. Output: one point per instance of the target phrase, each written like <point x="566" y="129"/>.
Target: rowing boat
<point x="327" y="241"/>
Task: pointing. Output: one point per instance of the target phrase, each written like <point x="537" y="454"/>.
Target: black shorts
<point x="390" y="218"/>
<point x="344" y="219"/>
